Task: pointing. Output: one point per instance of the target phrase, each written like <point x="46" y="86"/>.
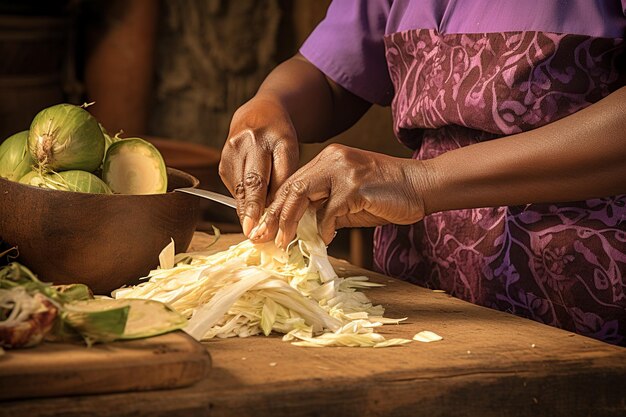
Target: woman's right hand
<point x="261" y="152"/>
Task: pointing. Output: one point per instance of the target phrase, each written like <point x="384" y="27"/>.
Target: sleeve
<point x="348" y="47"/>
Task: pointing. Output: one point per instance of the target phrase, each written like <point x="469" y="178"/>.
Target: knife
<point x="210" y="195"/>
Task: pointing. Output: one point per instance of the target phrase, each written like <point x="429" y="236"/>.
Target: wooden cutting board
<point x="489" y="364"/>
<point x="59" y="369"/>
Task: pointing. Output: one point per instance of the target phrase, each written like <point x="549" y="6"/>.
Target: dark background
<point x="171" y="71"/>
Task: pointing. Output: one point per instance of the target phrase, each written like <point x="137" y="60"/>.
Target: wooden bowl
<point x="103" y="241"/>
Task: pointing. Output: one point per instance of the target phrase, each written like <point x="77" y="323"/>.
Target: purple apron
<point x="559" y="264"/>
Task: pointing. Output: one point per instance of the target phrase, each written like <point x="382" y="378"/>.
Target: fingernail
<point x="258" y="231"/>
<point x="279" y="239"/>
<point x="253" y="233"/>
<point x="247" y="225"/>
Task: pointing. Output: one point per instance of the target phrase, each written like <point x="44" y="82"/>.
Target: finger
<point x="245" y="169"/>
<point x="307" y="187"/>
<point x="254" y="187"/>
<point x="285" y="162"/>
<point x="293" y="208"/>
<point x="232" y="159"/>
<point x="229" y="170"/>
<point x="239" y="194"/>
<point x="285" y="199"/>
<point x="328" y="216"/>
<point x="268" y="228"/>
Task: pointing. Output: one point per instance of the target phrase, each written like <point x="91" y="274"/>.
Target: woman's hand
<point x="261" y="152"/>
<point x="348" y="187"/>
<point x="295" y="102"/>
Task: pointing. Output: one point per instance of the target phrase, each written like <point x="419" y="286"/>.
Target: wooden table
<point x="489" y="364"/>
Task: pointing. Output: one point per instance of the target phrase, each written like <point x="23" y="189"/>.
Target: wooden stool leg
<point x="361" y="247"/>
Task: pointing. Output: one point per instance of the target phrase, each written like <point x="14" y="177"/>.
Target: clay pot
<point x="197" y="159"/>
<point x="103" y="241"/>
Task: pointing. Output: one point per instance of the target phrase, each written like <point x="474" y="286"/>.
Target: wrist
<point x="420" y="177"/>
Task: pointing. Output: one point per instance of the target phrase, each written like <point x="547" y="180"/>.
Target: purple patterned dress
<point x="560" y="264"/>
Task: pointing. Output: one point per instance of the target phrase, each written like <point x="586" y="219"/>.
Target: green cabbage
<point x="15" y="160"/>
<point x="134" y="166"/>
<point x="66" y="137"/>
<point x="74" y="180"/>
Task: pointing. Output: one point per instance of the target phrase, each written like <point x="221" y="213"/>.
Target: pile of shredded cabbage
<point x="257" y="288"/>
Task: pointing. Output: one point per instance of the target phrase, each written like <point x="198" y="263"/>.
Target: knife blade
<point x="210" y="195"/>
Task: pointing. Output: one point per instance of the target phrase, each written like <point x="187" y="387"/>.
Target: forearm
<point x="318" y="108"/>
<point x="578" y="157"/>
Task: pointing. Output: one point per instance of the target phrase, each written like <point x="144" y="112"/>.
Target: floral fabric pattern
<point x="560" y="264"/>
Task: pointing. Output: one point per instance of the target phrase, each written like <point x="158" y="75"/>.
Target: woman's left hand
<point x="348" y="187"/>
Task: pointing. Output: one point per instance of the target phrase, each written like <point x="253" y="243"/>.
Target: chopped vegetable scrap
<point x="31" y="311"/>
<point x="427" y="336"/>
<point x="29" y="318"/>
<point x="251" y="289"/>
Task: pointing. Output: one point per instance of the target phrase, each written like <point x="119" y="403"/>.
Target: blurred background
<point x="170" y="71"/>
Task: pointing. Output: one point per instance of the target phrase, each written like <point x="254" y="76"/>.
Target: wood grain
<point x="54" y="369"/>
<point x="486" y="365"/>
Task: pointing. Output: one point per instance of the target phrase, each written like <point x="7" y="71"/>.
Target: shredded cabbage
<point x="20" y="305"/>
<point x="251" y="289"/>
<point x="427" y="336"/>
